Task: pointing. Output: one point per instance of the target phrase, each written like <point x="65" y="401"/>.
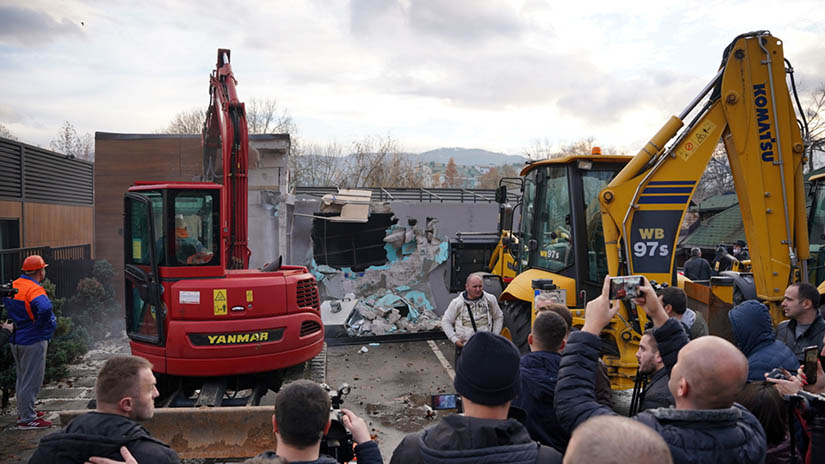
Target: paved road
<point x="391" y="384"/>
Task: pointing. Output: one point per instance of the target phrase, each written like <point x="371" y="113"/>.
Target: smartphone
<point x="446" y="401"/>
<point x="811" y="356"/>
<point x="625" y="287"/>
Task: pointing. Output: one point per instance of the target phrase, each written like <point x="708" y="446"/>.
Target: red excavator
<point x="216" y="332"/>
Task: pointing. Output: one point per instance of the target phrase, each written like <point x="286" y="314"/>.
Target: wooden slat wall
<point x="57" y="225"/>
<point x="9" y="209"/>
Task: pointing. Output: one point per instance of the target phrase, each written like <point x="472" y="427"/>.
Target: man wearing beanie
<point x="487" y="378"/>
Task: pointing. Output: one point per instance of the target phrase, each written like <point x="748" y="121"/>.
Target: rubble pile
<point x="408" y="311"/>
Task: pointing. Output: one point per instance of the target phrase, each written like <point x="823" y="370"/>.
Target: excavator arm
<point x="226" y="157"/>
<point x="750" y="109"/>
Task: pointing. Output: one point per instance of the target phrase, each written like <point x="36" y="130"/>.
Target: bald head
<point x="474" y="286"/>
<point x="616" y="440"/>
<point x="709" y="374"/>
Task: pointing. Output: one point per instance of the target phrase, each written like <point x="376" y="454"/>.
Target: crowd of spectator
<point x="704" y="399"/>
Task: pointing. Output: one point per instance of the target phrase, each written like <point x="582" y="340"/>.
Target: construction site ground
<point x="391" y="384"/>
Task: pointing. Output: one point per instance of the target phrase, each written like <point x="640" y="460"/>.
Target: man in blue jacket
<point x="539" y="371"/>
<point x="753" y="332"/>
<point x="35" y="323"/>
<point x="705" y="377"/>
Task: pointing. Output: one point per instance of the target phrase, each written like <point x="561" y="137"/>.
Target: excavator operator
<point x="189" y="250"/>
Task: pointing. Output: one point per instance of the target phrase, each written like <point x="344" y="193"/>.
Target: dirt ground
<point x="390" y="385"/>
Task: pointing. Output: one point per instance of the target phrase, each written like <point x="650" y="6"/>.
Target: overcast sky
<point x="492" y="74"/>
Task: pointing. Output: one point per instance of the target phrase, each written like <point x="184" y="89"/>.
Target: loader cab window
<point x="546" y="228"/>
<point x="554" y="229"/>
<point x="527" y="216"/>
<point x="817" y="218"/>
<point x="593" y="182"/>
<point x="195" y="219"/>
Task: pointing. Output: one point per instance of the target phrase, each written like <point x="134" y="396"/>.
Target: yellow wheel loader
<point x="584" y="217"/>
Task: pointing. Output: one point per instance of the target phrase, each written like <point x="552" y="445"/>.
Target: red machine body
<point x="192" y="307"/>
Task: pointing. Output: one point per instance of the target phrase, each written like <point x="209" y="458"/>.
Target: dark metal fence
<point x="67" y="265"/>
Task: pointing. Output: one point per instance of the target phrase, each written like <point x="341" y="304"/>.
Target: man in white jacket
<point x="474" y="310"/>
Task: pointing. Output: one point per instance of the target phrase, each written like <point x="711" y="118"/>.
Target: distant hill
<point x="470" y="157"/>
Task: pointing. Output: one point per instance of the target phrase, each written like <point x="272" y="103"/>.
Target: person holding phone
<point x="706" y="375"/>
<point x="805" y="326"/>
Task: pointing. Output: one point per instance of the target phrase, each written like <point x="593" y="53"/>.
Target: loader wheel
<point x="517" y="320"/>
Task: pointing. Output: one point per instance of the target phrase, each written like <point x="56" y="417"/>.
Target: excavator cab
<point x="169" y="226"/>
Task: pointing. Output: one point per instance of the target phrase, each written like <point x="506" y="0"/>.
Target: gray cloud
<point x="455" y="20"/>
<point x="29" y="28"/>
<point x="465" y="21"/>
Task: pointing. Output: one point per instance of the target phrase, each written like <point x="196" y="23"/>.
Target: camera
<point x="337" y="442"/>
<point x="625" y="287"/>
<point x="7" y="290"/>
<point x="446" y="401"/>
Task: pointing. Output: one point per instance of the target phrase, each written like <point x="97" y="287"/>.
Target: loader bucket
<point x="224" y="432"/>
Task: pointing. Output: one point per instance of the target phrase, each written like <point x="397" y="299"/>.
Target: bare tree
<point x="318" y="166"/>
<point x="186" y="122"/>
<point x="543" y="149"/>
<point x="266" y="117"/>
<point x="70" y="143"/>
<point x="373" y="162"/>
<point x="262" y="117"/>
<point x="5" y="133"/>
<point x="815" y="113"/>
<point x="717" y="178"/>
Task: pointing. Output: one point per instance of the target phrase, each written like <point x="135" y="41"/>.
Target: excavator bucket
<point x="225" y="432"/>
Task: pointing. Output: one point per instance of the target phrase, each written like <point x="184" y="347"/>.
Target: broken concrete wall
<point x="418" y="263"/>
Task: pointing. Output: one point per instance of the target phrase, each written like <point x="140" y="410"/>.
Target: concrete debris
<point x="393" y="297"/>
<point x="389" y="313"/>
<point x="363" y="349"/>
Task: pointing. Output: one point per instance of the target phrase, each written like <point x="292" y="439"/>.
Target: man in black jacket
<point x="656" y="393"/>
<point x="487" y="377"/>
<point x="697" y="267"/>
<point x="539" y="371"/>
<point x="302" y="418"/>
<point x="805" y="326"/>
<point x="705" y="377"/>
<point x="125" y="392"/>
